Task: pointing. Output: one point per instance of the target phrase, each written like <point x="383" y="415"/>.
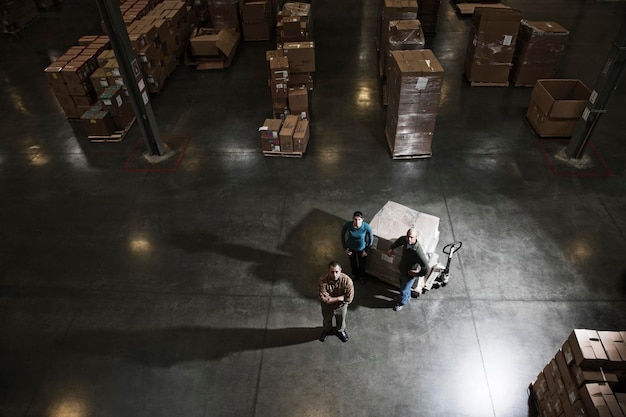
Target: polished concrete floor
<point x="192" y="292"/>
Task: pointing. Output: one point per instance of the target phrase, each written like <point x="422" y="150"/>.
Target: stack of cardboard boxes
<point x="288" y="136"/>
<point x="112" y="114"/>
<point x="491" y="45"/>
<point x="392" y="10"/>
<point x="212" y="48"/>
<point x="538" y="51"/>
<point x="414" y="84"/>
<point x="294" y="23"/>
<point x="585" y="378"/>
<point x="291" y="67"/>
<point x="225" y="14"/>
<point x="257" y="20"/>
<point x="388" y="224"/>
<point x="69" y="76"/>
<point x="556" y="106"/>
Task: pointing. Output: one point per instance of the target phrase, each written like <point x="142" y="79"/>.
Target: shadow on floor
<point x="167" y="347"/>
<point x="307" y="250"/>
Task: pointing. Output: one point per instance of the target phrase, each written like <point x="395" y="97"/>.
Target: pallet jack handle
<point x="449" y="250"/>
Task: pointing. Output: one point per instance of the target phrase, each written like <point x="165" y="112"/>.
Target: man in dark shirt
<point x="413" y="264"/>
<point x="336" y="291"/>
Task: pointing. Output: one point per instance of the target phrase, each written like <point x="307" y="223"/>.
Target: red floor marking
<point x="577" y="172"/>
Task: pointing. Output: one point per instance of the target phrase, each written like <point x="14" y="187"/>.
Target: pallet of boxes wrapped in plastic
<point x="538" y="51"/>
<point x="389" y="223"/>
<point x="414" y="86"/>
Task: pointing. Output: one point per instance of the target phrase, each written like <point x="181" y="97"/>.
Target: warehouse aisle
<point x="192" y="292"/>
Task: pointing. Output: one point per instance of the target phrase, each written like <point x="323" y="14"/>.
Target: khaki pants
<point x="329" y="312"/>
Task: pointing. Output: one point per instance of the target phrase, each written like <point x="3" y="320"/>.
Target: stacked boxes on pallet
<point x="388" y="224"/>
<point x="586" y="377"/>
<point x="69" y="77"/>
<point x="224" y="14"/>
<point x="556" y="106"/>
<point x="393" y="10"/>
<point x="538" y="51"/>
<point x="414" y="84"/>
<point x="401" y="35"/>
<point x="257" y="20"/>
<point x="291" y="67"/>
<point x="491" y="45"/>
<point x="15" y="14"/>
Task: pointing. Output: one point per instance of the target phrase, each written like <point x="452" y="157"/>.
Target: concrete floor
<point x="193" y="293"/>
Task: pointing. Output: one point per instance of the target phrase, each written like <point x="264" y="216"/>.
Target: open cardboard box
<point x="210" y="48"/>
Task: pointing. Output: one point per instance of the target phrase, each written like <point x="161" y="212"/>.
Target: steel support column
<point x="131" y="74"/>
<point x="606" y="83"/>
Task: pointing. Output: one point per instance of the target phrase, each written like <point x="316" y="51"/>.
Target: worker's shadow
<point x="300" y="259"/>
<point x="169" y="346"/>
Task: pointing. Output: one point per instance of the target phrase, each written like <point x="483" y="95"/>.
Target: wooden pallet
<point x="416" y="156"/>
<point x="467" y="9"/>
<point x="284" y="154"/>
<point x="116" y="136"/>
<point x="487" y="84"/>
<point x="523" y="85"/>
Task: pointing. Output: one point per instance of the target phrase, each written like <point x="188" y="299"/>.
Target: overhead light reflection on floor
<point x="364" y="97"/>
<point x="70" y="407"/>
<point x="140" y="245"/>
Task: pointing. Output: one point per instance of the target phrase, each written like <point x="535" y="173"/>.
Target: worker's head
<point x="334" y="270"/>
<point x="411" y="236"/>
<point x="357" y="219"/>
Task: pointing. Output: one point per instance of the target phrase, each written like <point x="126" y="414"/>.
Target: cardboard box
<point x="298" y="99"/>
<point x="257" y="31"/>
<point x="286" y="133"/>
<point x="586" y="348"/>
<point x="402" y="35"/>
<point x="556" y="105"/>
<point x="615" y="348"/>
<point x="301" y="56"/>
<point x="269" y="135"/>
<point x="561" y="98"/>
<point x="538" y="51"/>
<point x="301" y="136"/>
<point x="546" y="127"/>
<point x="212" y="48"/>
<point x="389" y="223"/>
<point x="98" y="123"/>
<point x="600" y="401"/>
<point x="570" y="386"/>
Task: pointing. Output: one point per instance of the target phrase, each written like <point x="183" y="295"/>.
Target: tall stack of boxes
<point x="69" y="76"/>
<point x="414" y="84"/>
<point x="556" y="106"/>
<point x="491" y="45"/>
<point x="393" y="10"/>
<point x="225" y="14"/>
<point x="585" y="378"/>
<point x="538" y="51"/>
<point x="257" y="20"/>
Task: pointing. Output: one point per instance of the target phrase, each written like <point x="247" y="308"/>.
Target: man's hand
<point x="325" y="297"/>
<point x="363" y="254"/>
<point x="414" y="272"/>
<point x="389" y="252"/>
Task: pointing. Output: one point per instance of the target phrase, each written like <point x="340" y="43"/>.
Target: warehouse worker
<point x="336" y="291"/>
<point x="413" y="264"/>
<point x="356" y="239"/>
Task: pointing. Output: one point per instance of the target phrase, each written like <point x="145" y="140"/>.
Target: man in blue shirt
<point x="356" y="239"/>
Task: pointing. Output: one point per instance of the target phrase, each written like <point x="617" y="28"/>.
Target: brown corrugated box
<point x="286" y="133"/>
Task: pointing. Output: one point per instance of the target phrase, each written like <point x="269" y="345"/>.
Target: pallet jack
<point x="439" y="274"/>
